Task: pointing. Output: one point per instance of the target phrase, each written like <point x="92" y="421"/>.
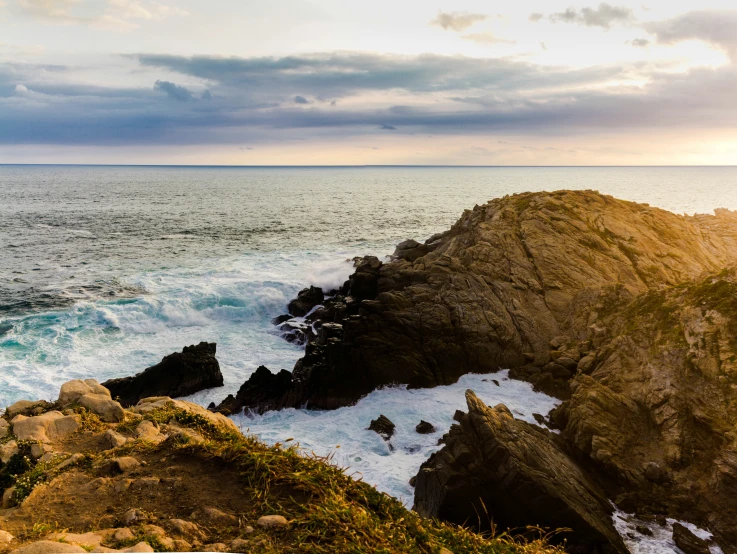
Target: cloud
<point x="175" y="92"/>
<point x="122" y="15"/>
<point x="640" y="42"/>
<point x="535" y="17"/>
<point x="438" y="95"/>
<point x="457" y="21"/>
<point x="486" y="38"/>
<point x="604" y="16"/>
<point x="718" y="28"/>
<point x="301" y="100"/>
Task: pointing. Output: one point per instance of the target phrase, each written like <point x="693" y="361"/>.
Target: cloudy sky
<point x="383" y="82"/>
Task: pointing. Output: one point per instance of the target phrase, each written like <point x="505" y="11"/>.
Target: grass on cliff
<point x="328" y="511"/>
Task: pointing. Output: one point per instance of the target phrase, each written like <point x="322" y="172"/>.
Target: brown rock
<point x="272" y="521"/>
<point x="490" y="462"/>
<point x="688" y="542"/>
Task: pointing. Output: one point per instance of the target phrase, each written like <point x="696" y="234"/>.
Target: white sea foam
<point x="343" y="433"/>
<point x="661" y="540"/>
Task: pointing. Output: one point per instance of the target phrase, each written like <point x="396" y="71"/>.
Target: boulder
<point x="48" y="547"/>
<point x="383" y="426"/>
<point x="4" y="428"/>
<point x="25" y="407"/>
<point x="517" y="473"/>
<point x="8" y="450"/>
<point x="47" y="427"/>
<point x="306" y="300"/>
<point x="688" y="542"/>
<point x="149" y="431"/>
<point x="424" y="428"/>
<point x="125" y="464"/>
<point x="179" y="374"/>
<point x="93" y="396"/>
<point x="261" y="392"/>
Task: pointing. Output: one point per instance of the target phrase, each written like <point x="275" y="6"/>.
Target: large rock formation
<point x="508" y="285"/>
<point x="495" y="469"/>
<point x="180" y="374"/>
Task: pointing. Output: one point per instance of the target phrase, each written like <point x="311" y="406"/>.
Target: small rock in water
<point x="383" y="426"/>
<point x="423" y="427"/>
<point x="272" y="521"/>
<point x="643" y="530"/>
<point x="539" y="418"/>
<point x="496" y="382"/>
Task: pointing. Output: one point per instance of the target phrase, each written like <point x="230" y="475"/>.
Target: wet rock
<point x="382" y="426"/>
<point x="262" y="391"/>
<point x="179" y="374"/>
<point x="278" y="320"/>
<point x="272" y="521"/>
<point x="643" y="530"/>
<point x="306" y="300"/>
<point x="295" y="333"/>
<point x="687" y="541"/>
<point x="490" y="461"/>
<point x="424" y="428"/>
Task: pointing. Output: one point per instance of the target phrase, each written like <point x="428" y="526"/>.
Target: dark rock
<point x="263" y="391"/>
<point x="539" y="418"/>
<point x="655" y="473"/>
<point x="643" y="530"/>
<point x="412" y="481"/>
<point x="495" y="382"/>
<point x="410" y="250"/>
<point x="383" y="426"/>
<point x="278" y="320"/>
<point x="306" y="300"/>
<point x="688" y="542"/>
<point x="424" y="428"/>
<point x="294" y="332"/>
<point x="364" y="283"/>
<point x="179" y="374"/>
<point x="491" y="461"/>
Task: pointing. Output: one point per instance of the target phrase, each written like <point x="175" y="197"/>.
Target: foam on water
<point x="343" y="433"/>
<point x="661" y="541"/>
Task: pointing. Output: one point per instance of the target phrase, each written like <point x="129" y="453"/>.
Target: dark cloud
<point x="301" y="100"/>
<point x="604" y="16"/>
<point x="718" y="28"/>
<point x="175" y="92"/>
<point x="640" y="42"/>
<point x="440" y="95"/>
<point x="457" y="21"/>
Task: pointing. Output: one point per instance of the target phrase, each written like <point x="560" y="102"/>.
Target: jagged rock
<point x="490" y="462"/>
<point x="179" y="374"/>
<point x="93" y="396"/>
<point x="410" y="250"/>
<point x="382" y="426"/>
<point x="261" y="392"/>
<point x="306" y="300"/>
<point x="688" y="542"/>
<point x="423" y="427"/>
<point x="46" y="427"/>
<point x="296" y="333"/>
<point x="272" y="521"/>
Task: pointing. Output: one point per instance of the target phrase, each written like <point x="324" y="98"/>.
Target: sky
<point x="336" y="82"/>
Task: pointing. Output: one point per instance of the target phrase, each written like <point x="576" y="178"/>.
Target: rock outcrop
<point x="506" y="281"/>
<point x="501" y="471"/>
<point x="179" y="374"/>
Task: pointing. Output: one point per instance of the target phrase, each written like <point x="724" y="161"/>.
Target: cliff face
<point x="494" y="290"/>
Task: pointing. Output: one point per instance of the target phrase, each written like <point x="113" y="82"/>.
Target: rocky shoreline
<point x="626" y="313"/>
<point x="623" y="311"/>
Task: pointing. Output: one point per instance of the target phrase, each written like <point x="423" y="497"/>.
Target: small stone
<point x="185" y="529"/>
<point x="73" y="459"/>
<point x="643" y="530"/>
<point x="123" y="485"/>
<point x="140" y="547"/>
<point x="239" y="545"/>
<point x="215" y="516"/>
<point x="216" y="547"/>
<point x="273" y="521"/>
<point x="5" y="539"/>
<point x="248" y="529"/>
<point x="146" y="483"/>
<point x="496" y="382"/>
<point x="8" y="501"/>
<point x="181" y="545"/>
<point x="125" y="464"/>
<point x="383" y="426"/>
<point x="424" y="427"/>
<point x="154" y="531"/>
<point x="114" y="439"/>
<point x="122" y="534"/>
<point x="134" y="515"/>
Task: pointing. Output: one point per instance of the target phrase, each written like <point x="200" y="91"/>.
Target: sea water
<point x="104" y="270"/>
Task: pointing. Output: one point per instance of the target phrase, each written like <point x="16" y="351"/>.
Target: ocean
<point x="105" y="269"/>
